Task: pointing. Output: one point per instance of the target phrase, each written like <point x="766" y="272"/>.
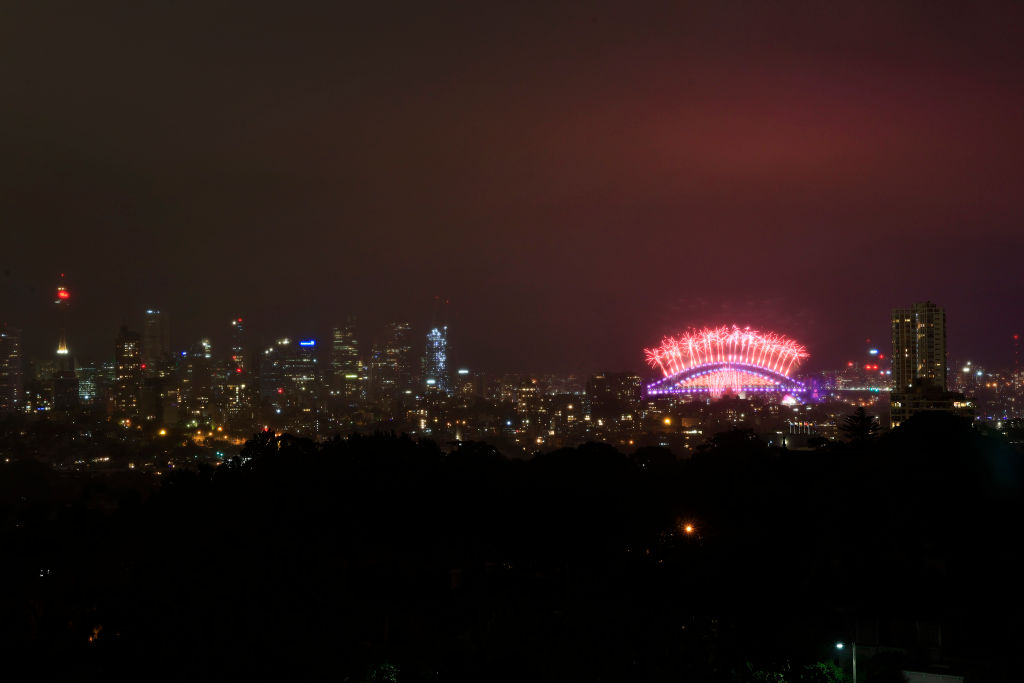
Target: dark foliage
<point x="859" y="428"/>
<point x="381" y="558"/>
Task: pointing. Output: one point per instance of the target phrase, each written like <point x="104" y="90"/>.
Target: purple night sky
<point x="578" y="178"/>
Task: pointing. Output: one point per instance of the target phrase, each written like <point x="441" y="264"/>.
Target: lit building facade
<point x="919" y="347"/>
<point x="156" y="345"/>
<point x="435" y="360"/>
<point x="347" y="375"/>
<point x="127" y="373"/>
<point x="919" y="365"/>
<point x="391" y="362"/>
<point x="197" y="379"/>
<point x="237" y="382"/>
<point x="11" y="378"/>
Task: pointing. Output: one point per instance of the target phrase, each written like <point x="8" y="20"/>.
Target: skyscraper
<point x="919" y="347"/>
<point x="156" y="345"/>
<point x="127" y="372"/>
<point x="238" y="359"/>
<point x="197" y="379"/>
<point x="398" y="352"/>
<point x="435" y="359"/>
<point x="237" y="383"/>
<point x="391" y="362"/>
<point x="919" y="365"/>
<point x="11" y="379"/>
<point x="346" y="370"/>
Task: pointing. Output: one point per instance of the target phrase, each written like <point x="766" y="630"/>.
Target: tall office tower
<point x="302" y="373"/>
<point x="391" y="372"/>
<point x="11" y="379"/>
<point x="381" y="378"/>
<point x="238" y="360"/>
<point x="435" y="360"/>
<point x="197" y="378"/>
<point x="237" y="383"/>
<point x="271" y="370"/>
<point x="289" y="375"/>
<point x="345" y="368"/>
<point x="156" y="344"/>
<point x="88" y="383"/>
<point x="127" y="373"/>
<point x="398" y="355"/>
<point x="919" y="347"/>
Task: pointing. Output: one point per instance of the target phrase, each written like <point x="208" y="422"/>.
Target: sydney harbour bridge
<point x="726" y="359"/>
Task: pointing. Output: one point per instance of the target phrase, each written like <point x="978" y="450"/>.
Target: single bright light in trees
<point x="839" y="646"/>
<point x="667" y="420"/>
<point x="688" y="528"/>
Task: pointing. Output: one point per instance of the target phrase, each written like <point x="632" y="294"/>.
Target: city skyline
<point x="38" y="344"/>
<point x="152" y="322"/>
<point x="563" y="174"/>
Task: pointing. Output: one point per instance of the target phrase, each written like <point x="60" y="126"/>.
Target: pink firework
<point x="725" y="344"/>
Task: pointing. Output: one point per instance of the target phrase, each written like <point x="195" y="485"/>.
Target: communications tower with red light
<point x="65" y="381"/>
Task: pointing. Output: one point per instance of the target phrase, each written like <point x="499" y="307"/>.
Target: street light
<point x="840" y="645"/>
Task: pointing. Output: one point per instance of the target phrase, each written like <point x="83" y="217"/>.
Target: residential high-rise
<point x="919" y="347"/>
<point x="11" y="379"/>
<point x="919" y="365"/>
<point x="156" y="345"/>
<point x="127" y="373"/>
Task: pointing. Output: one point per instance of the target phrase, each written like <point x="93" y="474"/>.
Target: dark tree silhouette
<point x="859" y="428"/>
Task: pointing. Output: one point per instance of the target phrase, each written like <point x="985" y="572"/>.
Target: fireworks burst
<point x="718" y="358"/>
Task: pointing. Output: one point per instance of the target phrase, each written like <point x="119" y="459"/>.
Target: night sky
<point x="577" y="178"/>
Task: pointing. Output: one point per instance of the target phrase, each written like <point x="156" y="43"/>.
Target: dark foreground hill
<point x="379" y="559"/>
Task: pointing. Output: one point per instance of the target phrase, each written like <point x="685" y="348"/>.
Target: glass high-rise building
<point x="127" y="372"/>
<point x="11" y="378"/>
<point x="346" y="370"/>
<point x="435" y="360"/>
<point x="156" y="344"/>
<point x="289" y="374"/>
<point x="238" y="359"/>
<point x="391" y="362"/>
<point x="197" y="378"/>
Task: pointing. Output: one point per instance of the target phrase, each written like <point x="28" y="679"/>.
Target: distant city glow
<point x="715" y="360"/>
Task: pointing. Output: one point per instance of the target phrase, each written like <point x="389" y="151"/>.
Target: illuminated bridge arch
<point x="719" y="360"/>
<point x="718" y="378"/>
